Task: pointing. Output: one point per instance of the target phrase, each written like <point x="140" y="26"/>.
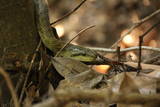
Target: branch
<point x="107" y="50"/>
<point x="68" y="14"/>
<point x="63" y="97"/>
<point x="10" y="86"/>
<point x="28" y="73"/>
<point x="141" y="41"/>
<point x="136" y="25"/>
<point x="78" y="34"/>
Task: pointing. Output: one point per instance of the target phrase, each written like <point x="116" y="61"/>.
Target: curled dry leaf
<point x="122" y="83"/>
<point x="146" y="82"/>
<point x="145" y="85"/>
<point x="128" y="86"/>
<point x="129" y="82"/>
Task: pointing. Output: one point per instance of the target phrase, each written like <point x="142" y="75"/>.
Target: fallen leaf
<point x="76" y="74"/>
<point x="87" y="79"/>
<point x="68" y="67"/>
<point x="128" y="84"/>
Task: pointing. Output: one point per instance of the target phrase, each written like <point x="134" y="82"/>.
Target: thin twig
<point x="28" y="73"/>
<point x="19" y="83"/>
<point x="68" y="14"/>
<point x="108" y="50"/>
<point x="83" y="30"/>
<point x="10" y="86"/>
<point x="141" y="41"/>
<point x="150" y="29"/>
<point x="140" y="54"/>
<point x="136" y="25"/>
<point x="118" y="54"/>
<point x="78" y="34"/>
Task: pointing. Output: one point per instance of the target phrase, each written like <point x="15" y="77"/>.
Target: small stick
<point x="10" y="86"/>
<point x="28" y="73"/>
<point x="140" y="54"/>
<point x="68" y="14"/>
<point x="83" y="30"/>
<point x="118" y="54"/>
<point x="78" y="34"/>
<point x="141" y="41"/>
<point x="136" y="25"/>
<point x="108" y="50"/>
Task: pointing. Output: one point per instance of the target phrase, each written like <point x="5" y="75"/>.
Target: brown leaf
<point x="130" y="82"/>
<point x="77" y="74"/>
<point x="123" y="83"/>
<point x="68" y="67"/>
<point x="87" y="79"/>
<point x="128" y="85"/>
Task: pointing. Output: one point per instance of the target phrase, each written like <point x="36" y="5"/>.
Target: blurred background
<point x="112" y="19"/>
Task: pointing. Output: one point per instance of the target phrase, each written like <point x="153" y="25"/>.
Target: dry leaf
<point x="131" y="83"/>
<point x="77" y="74"/>
<point x="122" y="83"/>
<point x="87" y="79"/>
<point x="128" y="85"/>
<point x="68" y="67"/>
